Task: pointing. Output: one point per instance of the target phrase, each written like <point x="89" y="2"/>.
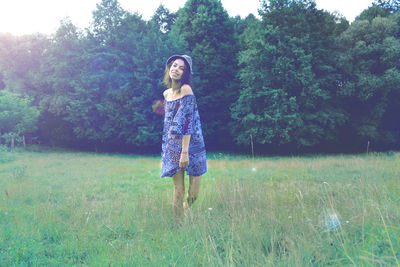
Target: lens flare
<point x="158" y="106"/>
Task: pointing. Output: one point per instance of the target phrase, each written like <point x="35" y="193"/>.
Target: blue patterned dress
<point x="182" y="118"/>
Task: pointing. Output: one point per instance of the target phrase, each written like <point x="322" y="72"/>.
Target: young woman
<point x="182" y="142"/>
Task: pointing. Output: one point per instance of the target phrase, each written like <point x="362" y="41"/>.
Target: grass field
<point x="61" y="208"/>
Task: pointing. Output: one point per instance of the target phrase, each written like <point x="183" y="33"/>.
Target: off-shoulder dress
<point x="182" y="117"/>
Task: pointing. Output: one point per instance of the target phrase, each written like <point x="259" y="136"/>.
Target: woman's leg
<point x="179" y="192"/>
<point x="194" y="186"/>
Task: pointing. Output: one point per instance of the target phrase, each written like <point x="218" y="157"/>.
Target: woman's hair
<point x="185" y="79"/>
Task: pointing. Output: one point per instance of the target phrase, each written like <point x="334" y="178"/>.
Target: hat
<point x="185" y="58"/>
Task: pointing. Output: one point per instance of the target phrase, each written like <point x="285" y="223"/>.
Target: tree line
<point x="297" y="79"/>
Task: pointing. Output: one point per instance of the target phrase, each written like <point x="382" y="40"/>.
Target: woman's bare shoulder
<point x="186" y="90"/>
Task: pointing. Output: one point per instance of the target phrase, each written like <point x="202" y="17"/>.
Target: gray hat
<point x="186" y="58"/>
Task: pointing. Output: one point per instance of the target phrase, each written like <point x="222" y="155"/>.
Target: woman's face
<point x="176" y="70"/>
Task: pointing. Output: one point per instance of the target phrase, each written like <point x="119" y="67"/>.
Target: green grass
<point x="60" y="208"/>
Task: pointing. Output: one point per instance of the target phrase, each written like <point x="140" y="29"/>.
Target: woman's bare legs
<point x="179" y="192"/>
<point x="194" y="186"/>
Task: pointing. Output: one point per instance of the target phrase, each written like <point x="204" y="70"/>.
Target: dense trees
<point x="56" y="80"/>
<point x="288" y="76"/>
<point x="298" y="79"/>
<point x="370" y="81"/>
<point x="120" y="78"/>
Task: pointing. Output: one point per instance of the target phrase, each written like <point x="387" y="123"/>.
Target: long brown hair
<point x="185" y="79"/>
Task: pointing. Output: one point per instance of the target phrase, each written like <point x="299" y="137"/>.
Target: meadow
<point x="66" y="208"/>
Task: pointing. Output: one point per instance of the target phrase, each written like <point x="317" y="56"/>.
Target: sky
<point x="20" y="17"/>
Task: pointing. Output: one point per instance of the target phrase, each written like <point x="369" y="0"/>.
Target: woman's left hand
<point x="184" y="160"/>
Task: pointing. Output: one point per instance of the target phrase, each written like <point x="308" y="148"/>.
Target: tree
<point x="209" y="34"/>
<point x="372" y="12"/>
<point x="369" y="88"/>
<point x="107" y="18"/>
<point x="288" y="77"/>
<point x="17" y="117"/>
<point x="164" y="19"/>
<point x="59" y="71"/>
<point x="241" y="25"/>
<point x="21" y="59"/>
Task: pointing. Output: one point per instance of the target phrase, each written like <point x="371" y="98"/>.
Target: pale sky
<point x="20" y="17"/>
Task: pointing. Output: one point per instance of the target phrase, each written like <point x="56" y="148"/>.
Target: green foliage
<point x="371" y="80"/>
<point x="107" y="19"/>
<point x="372" y="12"/>
<point x="17" y="117"/>
<point x="164" y="19"/>
<point x="288" y="77"/>
<point x="59" y="72"/>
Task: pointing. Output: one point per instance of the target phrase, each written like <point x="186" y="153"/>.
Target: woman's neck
<point x="175" y="85"/>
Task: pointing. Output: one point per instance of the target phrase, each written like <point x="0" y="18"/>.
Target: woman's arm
<point x="184" y="159"/>
<point x="185" y="142"/>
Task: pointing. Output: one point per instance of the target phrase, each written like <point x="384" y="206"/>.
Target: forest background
<point x="297" y="80"/>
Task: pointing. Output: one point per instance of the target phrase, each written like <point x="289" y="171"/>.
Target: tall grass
<point x="65" y="208"/>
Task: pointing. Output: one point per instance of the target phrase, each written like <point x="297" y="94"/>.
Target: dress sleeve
<point x="183" y="122"/>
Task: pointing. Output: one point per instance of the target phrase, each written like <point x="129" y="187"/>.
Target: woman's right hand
<point x="184" y="160"/>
